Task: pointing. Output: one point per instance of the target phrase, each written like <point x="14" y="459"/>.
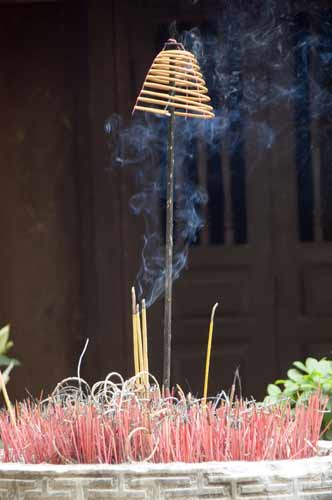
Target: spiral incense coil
<point x="175" y="82"/>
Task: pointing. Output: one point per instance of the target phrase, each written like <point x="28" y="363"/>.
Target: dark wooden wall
<point x="40" y="263"/>
<point x="70" y="248"/>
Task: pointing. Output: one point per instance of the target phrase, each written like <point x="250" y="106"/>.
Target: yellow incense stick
<point x="208" y="353"/>
<point x="7" y="400"/>
<point x="145" y="342"/>
<point x="135" y="342"/>
<point x="139" y="340"/>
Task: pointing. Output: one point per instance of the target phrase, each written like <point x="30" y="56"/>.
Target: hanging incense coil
<point x="175" y="82"/>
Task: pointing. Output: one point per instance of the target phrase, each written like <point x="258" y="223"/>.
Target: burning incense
<point x="208" y="353"/>
<point x="135" y="342"/>
<point x="174" y="86"/>
<point x="175" y="82"/>
<point x="139" y="340"/>
<point x="145" y="342"/>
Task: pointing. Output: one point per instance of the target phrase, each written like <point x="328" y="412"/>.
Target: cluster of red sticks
<point x="124" y="427"/>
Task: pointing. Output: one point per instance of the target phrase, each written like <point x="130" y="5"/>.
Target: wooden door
<point x="302" y="220"/>
<point x="232" y="262"/>
<point x="272" y="285"/>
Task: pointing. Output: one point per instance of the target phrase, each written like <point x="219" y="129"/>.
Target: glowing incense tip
<point x="208" y="353"/>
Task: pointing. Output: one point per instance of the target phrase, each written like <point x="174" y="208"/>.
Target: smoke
<point x="255" y="56"/>
<point x="143" y="147"/>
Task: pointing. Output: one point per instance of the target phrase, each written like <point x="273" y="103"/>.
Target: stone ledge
<point x="307" y="479"/>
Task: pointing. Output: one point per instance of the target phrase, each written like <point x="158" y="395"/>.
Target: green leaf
<point x="326" y="388"/>
<point x="295" y="375"/>
<point x="273" y="390"/>
<point x="317" y="378"/>
<point x="308" y="387"/>
<point x="10" y="344"/>
<point x="4" y="336"/>
<point x="328" y="383"/>
<point x="325" y="367"/>
<point x="303" y="398"/>
<point x="280" y="381"/>
<point x="312" y="364"/>
<point x="300" y="366"/>
<point x="6" y="373"/>
<point x="291" y="386"/>
<point x="5" y="361"/>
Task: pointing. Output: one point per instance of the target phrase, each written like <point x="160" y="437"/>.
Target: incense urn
<point x="307" y="479"/>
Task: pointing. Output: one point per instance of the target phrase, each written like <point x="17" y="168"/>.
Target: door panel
<point x="301" y="219"/>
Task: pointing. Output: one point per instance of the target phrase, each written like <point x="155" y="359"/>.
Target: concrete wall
<point x="309" y="479"/>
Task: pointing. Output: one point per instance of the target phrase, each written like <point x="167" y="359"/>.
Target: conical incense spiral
<point x="174" y="86"/>
<point x="175" y="82"/>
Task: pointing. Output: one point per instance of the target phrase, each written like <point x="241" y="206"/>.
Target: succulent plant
<point x="304" y="379"/>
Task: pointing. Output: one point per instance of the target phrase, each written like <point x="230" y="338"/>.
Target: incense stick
<point x="145" y="342"/>
<point x="169" y="254"/>
<point x="135" y="343"/>
<point x="208" y="353"/>
<point x="139" y="341"/>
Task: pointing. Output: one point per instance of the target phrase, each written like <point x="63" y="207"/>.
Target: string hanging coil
<point x="175" y="81"/>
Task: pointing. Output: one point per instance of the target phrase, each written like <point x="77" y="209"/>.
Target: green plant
<point x="5" y="345"/>
<point x="304" y="379"/>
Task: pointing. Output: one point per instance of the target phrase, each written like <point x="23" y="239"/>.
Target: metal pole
<point x="169" y="254"/>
